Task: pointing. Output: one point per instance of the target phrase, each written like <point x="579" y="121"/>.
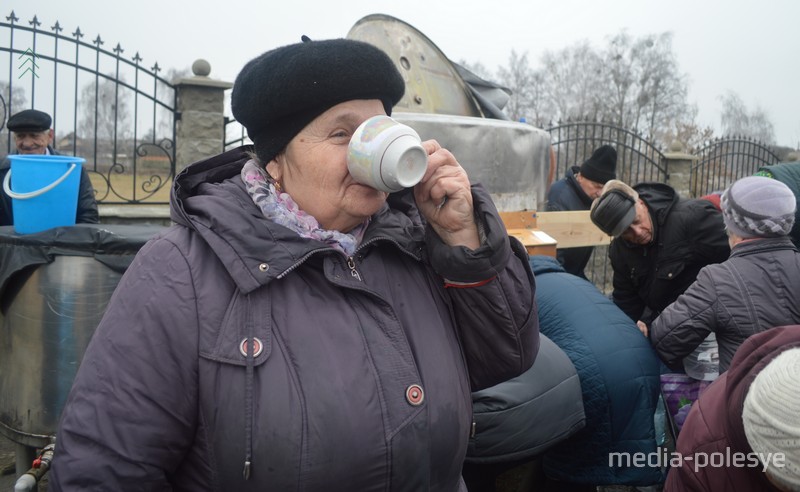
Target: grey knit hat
<point x="756" y="206"/>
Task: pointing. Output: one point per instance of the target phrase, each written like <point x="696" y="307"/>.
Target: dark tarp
<point x="112" y="245"/>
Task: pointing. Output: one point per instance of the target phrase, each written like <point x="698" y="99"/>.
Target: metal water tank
<point x="54" y="288"/>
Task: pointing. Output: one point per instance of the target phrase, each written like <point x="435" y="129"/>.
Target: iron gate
<point x="106" y="106"/>
<point x="724" y="160"/>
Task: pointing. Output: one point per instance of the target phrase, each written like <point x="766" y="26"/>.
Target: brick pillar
<point x="200" y="129"/>
<point x="679" y="166"/>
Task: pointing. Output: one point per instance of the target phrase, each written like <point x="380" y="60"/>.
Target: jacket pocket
<point x="669" y="269"/>
<point x="248" y="317"/>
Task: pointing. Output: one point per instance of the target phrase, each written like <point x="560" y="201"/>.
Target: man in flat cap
<point x="33" y="135"/>
<point x="757" y="288"/>
<point x="575" y="191"/>
<point x="660" y="244"/>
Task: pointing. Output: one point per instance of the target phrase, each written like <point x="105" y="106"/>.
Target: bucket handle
<point x="33" y="194"/>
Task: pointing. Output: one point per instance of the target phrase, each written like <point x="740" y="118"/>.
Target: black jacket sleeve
<point x="87" y="204"/>
<point x="625" y="294"/>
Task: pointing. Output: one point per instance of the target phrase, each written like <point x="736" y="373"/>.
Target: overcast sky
<point x="746" y="46"/>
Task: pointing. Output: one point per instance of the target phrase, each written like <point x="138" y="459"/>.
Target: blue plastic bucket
<point x="43" y="191"/>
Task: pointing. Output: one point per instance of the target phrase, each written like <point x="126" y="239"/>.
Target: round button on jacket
<point x="415" y="395"/>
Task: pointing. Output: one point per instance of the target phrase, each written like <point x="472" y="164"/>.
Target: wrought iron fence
<point x="637" y="159"/>
<point x="107" y="107"/>
<point x="235" y="134"/>
<point x="724" y="160"/>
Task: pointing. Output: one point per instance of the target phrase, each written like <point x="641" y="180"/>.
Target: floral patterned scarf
<point x="281" y="209"/>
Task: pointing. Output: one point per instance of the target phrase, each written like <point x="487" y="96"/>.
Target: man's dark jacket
<point x="87" y="205"/>
<point x="687" y="235"/>
<point x="566" y="194"/>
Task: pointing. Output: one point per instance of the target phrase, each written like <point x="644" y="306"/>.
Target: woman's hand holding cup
<point x="444" y="198"/>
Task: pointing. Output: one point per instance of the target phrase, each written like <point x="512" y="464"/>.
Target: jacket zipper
<point x="350" y="259"/>
<point x="386" y="238"/>
<point x="351" y="263"/>
<point x="300" y="262"/>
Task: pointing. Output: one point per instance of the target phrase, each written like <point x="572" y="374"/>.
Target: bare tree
<point x="14" y="102"/>
<point x="570" y="79"/>
<point x="9" y="103"/>
<point x="105" y="111"/>
<point x="687" y="131"/>
<point x="522" y="81"/>
<point x="738" y="120"/>
<point x="632" y="82"/>
<point x="648" y="92"/>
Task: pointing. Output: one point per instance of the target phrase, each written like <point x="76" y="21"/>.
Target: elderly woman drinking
<point x="296" y="329"/>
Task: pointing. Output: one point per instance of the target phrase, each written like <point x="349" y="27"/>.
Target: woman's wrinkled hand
<point x="445" y="200"/>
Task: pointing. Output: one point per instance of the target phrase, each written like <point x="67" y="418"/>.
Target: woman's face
<point x="313" y="168"/>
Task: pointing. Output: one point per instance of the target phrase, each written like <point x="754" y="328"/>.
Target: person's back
<point x="755" y="289"/>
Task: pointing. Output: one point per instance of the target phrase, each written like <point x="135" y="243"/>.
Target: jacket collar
<point x="762" y="245"/>
<point x="660" y="199"/>
<point x="210" y="198"/>
<point x="572" y="178"/>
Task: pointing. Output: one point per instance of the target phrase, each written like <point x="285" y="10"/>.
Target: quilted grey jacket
<point x="757" y="288"/>
<point x="363" y="370"/>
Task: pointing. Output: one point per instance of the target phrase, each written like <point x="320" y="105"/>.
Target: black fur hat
<point x="281" y="91"/>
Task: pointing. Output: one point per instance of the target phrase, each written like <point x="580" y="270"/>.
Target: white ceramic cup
<point x="386" y="155"/>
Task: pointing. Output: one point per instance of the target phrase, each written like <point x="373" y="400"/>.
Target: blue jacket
<point x="619" y="374"/>
<point x="565" y="195"/>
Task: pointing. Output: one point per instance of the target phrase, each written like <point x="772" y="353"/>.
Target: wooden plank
<point x="525" y="219"/>
<point x="571" y="229"/>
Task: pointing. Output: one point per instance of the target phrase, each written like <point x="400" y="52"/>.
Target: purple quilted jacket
<point x="360" y="375"/>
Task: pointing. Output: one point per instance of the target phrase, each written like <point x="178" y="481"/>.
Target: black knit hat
<point x="281" y="91"/>
<point x="601" y="166"/>
<point x="29" y="120"/>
